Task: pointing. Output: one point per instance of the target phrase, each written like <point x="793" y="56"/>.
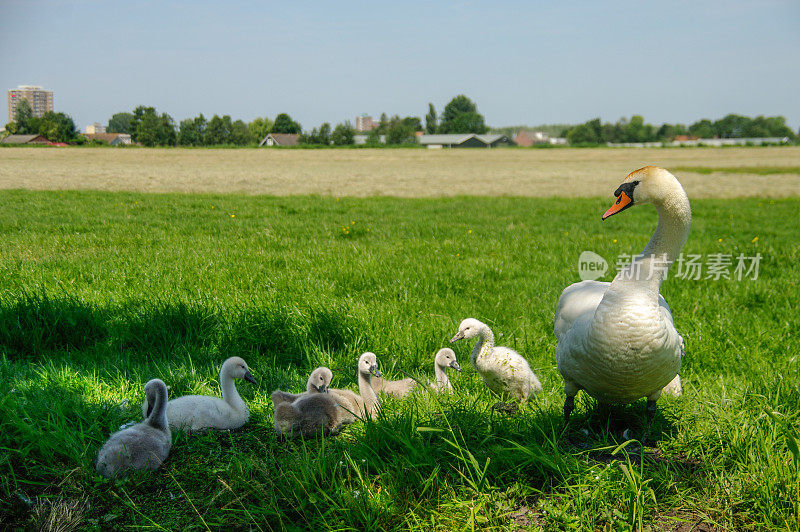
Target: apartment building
<point x="40" y="100"/>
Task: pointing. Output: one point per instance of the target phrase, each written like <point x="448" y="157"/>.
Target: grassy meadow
<point x="101" y="291"/>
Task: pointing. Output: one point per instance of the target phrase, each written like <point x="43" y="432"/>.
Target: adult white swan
<point x="616" y="341"/>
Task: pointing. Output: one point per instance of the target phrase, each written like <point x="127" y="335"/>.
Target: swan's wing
<point x="577" y="300"/>
<point x="665" y="310"/>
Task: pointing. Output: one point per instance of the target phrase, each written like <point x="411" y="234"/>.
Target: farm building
<point x="26" y="139"/>
<point x="464" y="140"/>
<point x="280" y="139"/>
<point x="114" y="139"/>
<point x="493" y="141"/>
<point x="529" y="138"/>
<point x="359" y="140"/>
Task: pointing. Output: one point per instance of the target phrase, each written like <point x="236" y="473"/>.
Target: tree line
<point x="150" y="128"/>
<point x="594" y="132"/>
<point x="56" y="127"/>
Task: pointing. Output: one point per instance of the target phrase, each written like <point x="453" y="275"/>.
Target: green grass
<point x="756" y="170"/>
<point x="100" y="292"/>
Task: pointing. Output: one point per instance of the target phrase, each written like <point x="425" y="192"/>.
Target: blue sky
<point x="521" y="62"/>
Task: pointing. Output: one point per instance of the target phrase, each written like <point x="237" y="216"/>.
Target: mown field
<point x="705" y="172"/>
<point x="101" y="291"/>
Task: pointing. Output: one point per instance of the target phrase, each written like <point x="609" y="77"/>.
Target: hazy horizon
<point x="522" y="63"/>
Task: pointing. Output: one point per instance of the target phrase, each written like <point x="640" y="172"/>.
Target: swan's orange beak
<point x="623" y="201"/>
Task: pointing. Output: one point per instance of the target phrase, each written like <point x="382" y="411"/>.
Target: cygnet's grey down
<point x="143" y="446"/>
<point x="445" y="358"/>
<point x="504" y="371"/>
<point x="318" y="382"/>
<point x="311" y="416"/>
<point x="366" y="404"/>
<point x="202" y="412"/>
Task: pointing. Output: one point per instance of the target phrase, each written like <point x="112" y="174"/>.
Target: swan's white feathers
<point x="617" y="340"/>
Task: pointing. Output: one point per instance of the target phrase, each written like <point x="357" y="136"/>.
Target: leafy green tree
<point x="773" y="126"/>
<point x="468" y="123"/>
<point x="614" y="132"/>
<point x="582" y="134"/>
<point x="398" y="131"/>
<point x="414" y="123"/>
<point x="151" y="129"/>
<point x="324" y="136"/>
<point x="285" y="124"/>
<point x="461" y="116"/>
<point x="383" y="125"/>
<point x="343" y="134"/>
<point x="668" y="132"/>
<point x="430" y="120"/>
<point x="26" y="123"/>
<point x="57" y="127"/>
<point x="218" y="130"/>
<point x="730" y="126"/>
<point x="138" y="115"/>
<point x="120" y="123"/>
<point x="638" y="131"/>
<point x="259" y="128"/>
<point x="309" y="138"/>
<point x="374" y="137"/>
<point x="776" y="126"/>
<point x="148" y="128"/>
<point x="240" y="135"/>
<point x="167" y="136"/>
<point x="192" y="131"/>
<point x="702" y="129"/>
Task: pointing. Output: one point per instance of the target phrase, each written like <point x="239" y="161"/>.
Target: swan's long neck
<point x="485" y="344"/>
<point x="649" y="268"/>
<point x="158" y="416"/>
<point x="230" y="394"/>
<point x="629" y="317"/>
<point x="367" y="393"/>
<point x="441" y="375"/>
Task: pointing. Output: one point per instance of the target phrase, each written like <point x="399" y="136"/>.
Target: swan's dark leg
<point x="569" y="406"/>
<point x="650" y="410"/>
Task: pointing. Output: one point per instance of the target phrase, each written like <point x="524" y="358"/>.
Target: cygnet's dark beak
<point x="455" y="365"/>
<point x="248" y="377"/>
<point x="374" y="370"/>
<point x="459" y="335"/>
<point x="149" y="409"/>
<point x="322" y="388"/>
